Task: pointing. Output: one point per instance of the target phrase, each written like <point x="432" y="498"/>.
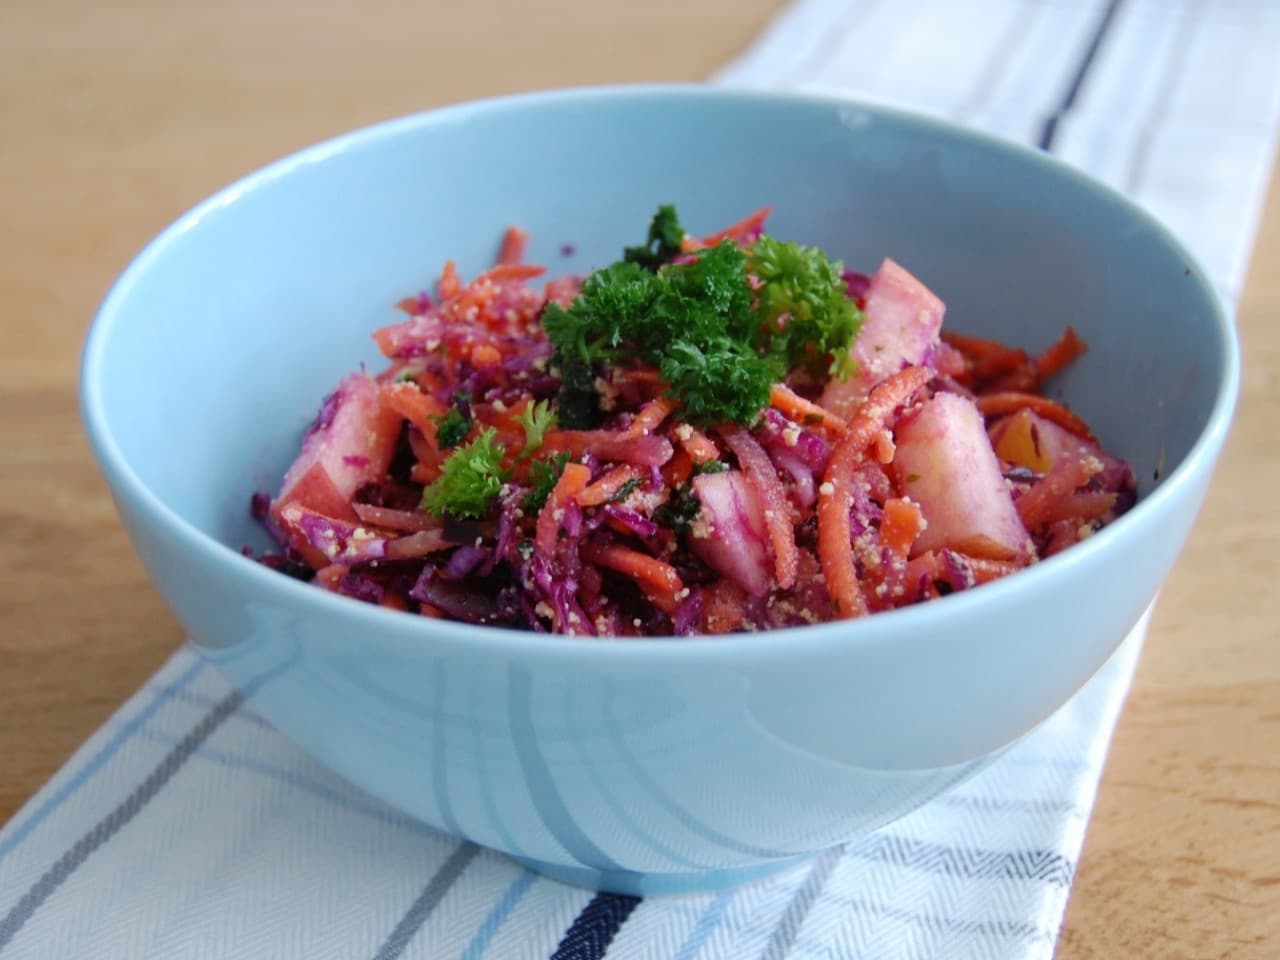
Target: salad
<point x="709" y="435"/>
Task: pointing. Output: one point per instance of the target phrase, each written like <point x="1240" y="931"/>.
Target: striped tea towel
<point x="188" y="828"/>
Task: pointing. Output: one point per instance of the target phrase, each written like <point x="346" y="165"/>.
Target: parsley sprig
<point x="718" y="340"/>
<point x="470" y="478"/>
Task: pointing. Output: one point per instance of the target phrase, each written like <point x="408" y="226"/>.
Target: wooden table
<point x="117" y="117"/>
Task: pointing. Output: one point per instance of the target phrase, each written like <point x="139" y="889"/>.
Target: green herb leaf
<point x="626" y="490"/>
<point x="710" y="466"/>
<point x="807" y="317"/>
<point x="543" y="475"/>
<point x="536" y="419"/>
<point x="680" y="510"/>
<point x="452" y="429"/>
<point x="694" y="321"/>
<point x="470" y="478"/>
<point x="663" y="243"/>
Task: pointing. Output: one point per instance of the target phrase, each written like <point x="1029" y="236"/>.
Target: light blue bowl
<point x="651" y="765"/>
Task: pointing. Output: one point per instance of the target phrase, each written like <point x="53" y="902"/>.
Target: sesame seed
<point x="827" y="489"/>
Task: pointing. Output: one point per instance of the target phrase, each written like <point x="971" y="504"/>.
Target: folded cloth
<point x="187" y="827"/>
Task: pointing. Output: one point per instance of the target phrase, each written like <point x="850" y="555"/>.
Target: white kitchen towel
<point x="187" y="827"/>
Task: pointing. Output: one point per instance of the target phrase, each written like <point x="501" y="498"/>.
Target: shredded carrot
<point x="1081" y="507"/>
<point x="994" y="404"/>
<point x="985" y="570"/>
<point x="408" y="305"/>
<point x="406" y="399"/>
<point x="724" y="607"/>
<point x="651" y="416"/>
<point x="1066" y="476"/>
<point x="1062" y="352"/>
<point x="424" y="473"/>
<point x="329" y="575"/>
<point x="696" y="444"/>
<point x="791" y="404"/>
<point x="903" y="522"/>
<point x="607" y="487"/>
<point x="411" y="521"/>
<point x="972" y="347"/>
<point x="835" y="529"/>
<point x="450" y="283"/>
<point x="513" y="244"/>
<point x="678" y="469"/>
<point x="748" y="227"/>
<point x="777" y="515"/>
<point x="658" y="580"/>
<point x="573" y="480"/>
<point x="984" y="547"/>
<point x="417" y="545"/>
<point x="508" y="272"/>
<point x="486" y="356"/>
<point x="395" y="601"/>
<point x="641" y="374"/>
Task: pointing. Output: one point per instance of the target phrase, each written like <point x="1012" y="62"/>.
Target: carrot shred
<point x="985" y="570"/>
<point x="410" y="521"/>
<point x="777" y="516"/>
<point x="748" y="226"/>
<point x="678" y="469"/>
<point x="450" y="283"/>
<point x="417" y="545"/>
<point x="410" y="402"/>
<point x="835" y="529"/>
<point x="607" y="487"/>
<point x="514" y="242"/>
<point x="1063" y="479"/>
<point x="658" y="580"/>
<point x="724" y="607"/>
<point x="1065" y="349"/>
<point x="486" y="356"/>
<point x="696" y="444"/>
<point x="903" y="522"/>
<point x="972" y="347"/>
<point x="508" y="272"/>
<point x="1082" y="507"/>
<point x="329" y="575"/>
<point x="651" y="416"/>
<point x="573" y="480"/>
<point x="994" y="404"/>
<point x="786" y="401"/>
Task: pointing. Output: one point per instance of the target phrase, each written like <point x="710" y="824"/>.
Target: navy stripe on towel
<point x="589" y="936"/>
<point x="1050" y="130"/>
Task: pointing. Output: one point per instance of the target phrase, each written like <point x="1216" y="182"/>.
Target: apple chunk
<point x="944" y="462"/>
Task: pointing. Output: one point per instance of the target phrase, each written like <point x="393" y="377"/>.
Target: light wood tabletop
<point x="115" y="117"/>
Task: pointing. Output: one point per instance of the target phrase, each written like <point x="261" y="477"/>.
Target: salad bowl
<point x="650" y="764"/>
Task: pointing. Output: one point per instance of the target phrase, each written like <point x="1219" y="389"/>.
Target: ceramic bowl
<point x="651" y="765"/>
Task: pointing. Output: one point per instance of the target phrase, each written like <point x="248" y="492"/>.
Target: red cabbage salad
<point x="730" y="433"/>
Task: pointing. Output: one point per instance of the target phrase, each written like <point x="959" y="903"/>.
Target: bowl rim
<point x="418" y="632"/>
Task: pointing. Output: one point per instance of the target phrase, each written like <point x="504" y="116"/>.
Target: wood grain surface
<point x="116" y="117"/>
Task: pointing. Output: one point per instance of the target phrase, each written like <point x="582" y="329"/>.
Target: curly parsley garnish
<point x="535" y="419"/>
<point x="808" y="315"/>
<point x="469" y="480"/>
<point x="717" y="340"/>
